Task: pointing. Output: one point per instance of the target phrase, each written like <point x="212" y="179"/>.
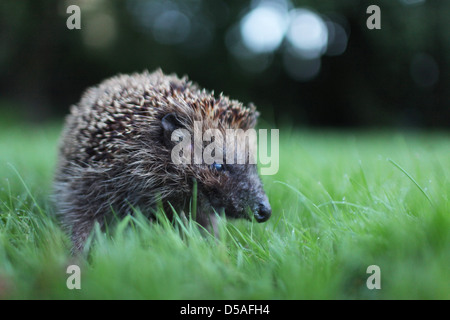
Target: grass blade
<point x="412" y="179"/>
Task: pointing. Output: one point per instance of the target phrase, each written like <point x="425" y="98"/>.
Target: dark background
<point x="394" y="77"/>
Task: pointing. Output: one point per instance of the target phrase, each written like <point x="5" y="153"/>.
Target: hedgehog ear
<point x="170" y="123"/>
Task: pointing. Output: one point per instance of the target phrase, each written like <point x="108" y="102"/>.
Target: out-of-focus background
<point x="304" y="62"/>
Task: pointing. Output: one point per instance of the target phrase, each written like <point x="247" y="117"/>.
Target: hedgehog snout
<point x="263" y="211"/>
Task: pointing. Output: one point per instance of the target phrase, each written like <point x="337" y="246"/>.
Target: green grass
<point x="341" y="202"/>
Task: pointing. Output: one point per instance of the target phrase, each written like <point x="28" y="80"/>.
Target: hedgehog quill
<point x="115" y="155"/>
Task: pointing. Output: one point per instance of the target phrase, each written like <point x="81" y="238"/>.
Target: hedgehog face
<point x="234" y="189"/>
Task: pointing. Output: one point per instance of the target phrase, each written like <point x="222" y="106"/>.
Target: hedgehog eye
<point x="218" y="166"/>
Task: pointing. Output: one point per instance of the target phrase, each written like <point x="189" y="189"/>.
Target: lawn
<point x="342" y="201"/>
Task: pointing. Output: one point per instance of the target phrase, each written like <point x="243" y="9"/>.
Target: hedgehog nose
<point x="264" y="211"/>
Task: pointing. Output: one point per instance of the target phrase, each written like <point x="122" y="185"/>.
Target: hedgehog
<point x="115" y="156"/>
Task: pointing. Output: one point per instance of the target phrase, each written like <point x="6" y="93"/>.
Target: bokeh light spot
<point x="337" y="39"/>
<point x="263" y="28"/>
<point x="171" y="27"/>
<point x="307" y="33"/>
